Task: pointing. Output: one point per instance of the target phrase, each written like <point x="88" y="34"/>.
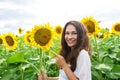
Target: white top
<point x="83" y="67"/>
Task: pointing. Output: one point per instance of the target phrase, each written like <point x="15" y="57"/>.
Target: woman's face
<point x="71" y="36"/>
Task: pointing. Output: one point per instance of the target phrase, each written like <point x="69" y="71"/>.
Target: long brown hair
<point x="82" y="43"/>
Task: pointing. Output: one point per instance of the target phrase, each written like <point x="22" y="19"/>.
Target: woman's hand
<point x="43" y="75"/>
<point x="60" y="61"/>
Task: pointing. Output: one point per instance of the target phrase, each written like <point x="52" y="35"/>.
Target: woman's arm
<point x="83" y="66"/>
<point x="60" y="61"/>
<point x="69" y="73"/>
<point x="52" y="78"/>
<point x="43" y="76"/>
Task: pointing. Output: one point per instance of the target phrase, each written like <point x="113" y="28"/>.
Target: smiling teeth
<point x="70" y="41"/>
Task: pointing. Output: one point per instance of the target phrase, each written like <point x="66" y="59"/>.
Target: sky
<point x="27" y="13"/>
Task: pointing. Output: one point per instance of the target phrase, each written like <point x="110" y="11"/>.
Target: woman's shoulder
<point x="83" y="52"/>
<point x="83" y="55"/>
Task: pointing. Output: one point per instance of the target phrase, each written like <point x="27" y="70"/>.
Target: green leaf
<point x="115" y="72"/>
<point x="108" y="60"/>
<point x="95" y="75"/>
<point x="118" y="56"/>
<point x="16" y="58"/>
<point x="116" y="68"/>
<point x="103" y="67"/>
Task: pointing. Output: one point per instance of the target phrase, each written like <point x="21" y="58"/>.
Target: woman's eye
<point x="74" y="33"/>
<point x="71" y="33"/>
<point x="66" y="33"/>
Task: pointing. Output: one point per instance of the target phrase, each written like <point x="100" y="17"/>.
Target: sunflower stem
<point x="96" y="47"/>
<point x="33" y="66"/>
<point x="41" y="57"/>
<point x="118" y="39"/>
<point x="21" y="71"/>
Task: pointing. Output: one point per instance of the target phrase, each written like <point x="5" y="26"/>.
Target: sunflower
<point x="104" y="33"/>
<point x="28" y="31"/>
<point x="9" y="41"/>
<point x="1" y="40"/>
<point x="116" y="28"/>
<point x="58" y="30"/>
<point x="42" y="36"/>
<point x="27" y="37"/>
<point x="20" y="30"/>
<point x="91" y="24"/>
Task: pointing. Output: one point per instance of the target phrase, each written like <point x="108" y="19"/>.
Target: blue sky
<point x="27" y="13"/>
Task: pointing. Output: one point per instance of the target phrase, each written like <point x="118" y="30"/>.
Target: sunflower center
<point x="28" y="38"/>
<point x="42" y="36"/>
<point x="117" y="27"/>
<point x="9" y="40"/>
<point x="58" y="30"/>
<point x="1" y="41"/>
<point x="90" y="26"/>
<point x="20" y="31"/>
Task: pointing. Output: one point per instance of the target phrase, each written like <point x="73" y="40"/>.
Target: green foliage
<point x="25" y="62"/>
<point x="106" y="58"/>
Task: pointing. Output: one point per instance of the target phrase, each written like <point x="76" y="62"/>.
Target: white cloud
<point x="26" y="13"/>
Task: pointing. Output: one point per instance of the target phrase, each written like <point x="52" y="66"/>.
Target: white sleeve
<point x="83" y="66"/>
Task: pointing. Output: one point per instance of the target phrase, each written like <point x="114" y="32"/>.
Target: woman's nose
<point x="70" y="36"/>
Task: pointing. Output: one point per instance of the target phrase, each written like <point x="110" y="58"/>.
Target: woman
<point x="74" y="61"/>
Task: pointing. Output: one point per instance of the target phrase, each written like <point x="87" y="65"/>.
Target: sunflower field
<point x="23" y="55"/>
